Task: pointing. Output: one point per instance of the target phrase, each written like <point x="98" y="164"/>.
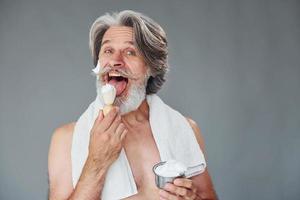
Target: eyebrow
<point x="108" y="41"/>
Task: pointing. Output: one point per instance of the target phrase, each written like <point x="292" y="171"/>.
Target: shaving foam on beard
<point x="171" y="168"/>
<point x="96" y="70"/>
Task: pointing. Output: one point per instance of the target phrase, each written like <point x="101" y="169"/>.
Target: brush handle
<point x="106" y="109"/>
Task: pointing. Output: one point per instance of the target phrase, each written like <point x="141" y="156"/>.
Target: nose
<point x="117" y="60"/>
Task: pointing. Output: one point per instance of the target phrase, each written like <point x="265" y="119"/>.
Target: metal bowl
<point x="161" y="181"/>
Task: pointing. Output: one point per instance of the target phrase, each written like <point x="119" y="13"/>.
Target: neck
<point x="139" y="115"/>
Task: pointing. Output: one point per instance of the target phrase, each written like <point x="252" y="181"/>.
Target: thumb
<point x="100" y="116"/>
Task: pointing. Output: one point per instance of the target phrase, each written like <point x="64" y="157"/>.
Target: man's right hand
<point x="106" y="139"/>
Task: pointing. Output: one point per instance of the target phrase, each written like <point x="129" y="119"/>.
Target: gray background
<point x="234" y="70"/>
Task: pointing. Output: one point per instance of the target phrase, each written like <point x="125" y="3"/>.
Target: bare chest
<point x="142" y="154"/>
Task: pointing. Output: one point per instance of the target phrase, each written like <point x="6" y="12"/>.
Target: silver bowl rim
<point x="161" y="163"/>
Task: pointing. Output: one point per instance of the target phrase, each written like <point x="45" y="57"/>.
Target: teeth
<point x="114" y="74"/>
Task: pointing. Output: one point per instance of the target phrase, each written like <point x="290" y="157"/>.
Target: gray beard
<point x="136" y="95"/>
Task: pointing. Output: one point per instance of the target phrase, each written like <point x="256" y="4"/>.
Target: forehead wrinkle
<point x="119" y="33"/>
<point x="110" y="41"/>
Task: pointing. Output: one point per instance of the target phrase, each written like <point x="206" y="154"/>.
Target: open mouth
<point x="117" y="80"/>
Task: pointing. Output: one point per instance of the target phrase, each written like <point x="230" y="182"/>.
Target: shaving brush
<point x="108" y="92"/>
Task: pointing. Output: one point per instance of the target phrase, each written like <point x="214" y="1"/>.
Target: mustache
<point x="121" y="70"/>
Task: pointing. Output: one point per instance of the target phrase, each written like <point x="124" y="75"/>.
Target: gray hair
<point x="150" y="40"/>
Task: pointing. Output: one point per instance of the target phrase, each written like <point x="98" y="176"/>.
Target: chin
<point x="131" y="99"/>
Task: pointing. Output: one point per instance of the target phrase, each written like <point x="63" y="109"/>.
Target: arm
<point x="203" y="181"/>
<point x="199" y="187"/>
<point x="59" y="163"/>
<point x="105" y="145"/>
<point x="59" y="167"/>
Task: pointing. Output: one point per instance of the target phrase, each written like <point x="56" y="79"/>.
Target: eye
<point x="107" y="51"/>
<point x="130" y="53"/>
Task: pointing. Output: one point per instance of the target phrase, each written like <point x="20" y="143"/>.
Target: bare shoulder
<point x="61" y="141"/>
<point x="59" y="162"/>
<point x="197" y="133"/>
<point x="65" y="130"/>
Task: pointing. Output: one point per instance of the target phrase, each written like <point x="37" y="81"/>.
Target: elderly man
<point x="112" y="156"/>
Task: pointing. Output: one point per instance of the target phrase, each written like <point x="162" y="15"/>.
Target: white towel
<point x="172" y="133"/>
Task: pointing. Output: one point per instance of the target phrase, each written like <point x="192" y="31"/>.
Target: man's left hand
<point x="180" y="189"/>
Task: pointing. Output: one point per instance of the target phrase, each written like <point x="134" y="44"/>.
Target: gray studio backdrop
<point x="234" y="69"/>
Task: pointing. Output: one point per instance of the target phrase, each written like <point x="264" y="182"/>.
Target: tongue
<point x="119" y="85"/>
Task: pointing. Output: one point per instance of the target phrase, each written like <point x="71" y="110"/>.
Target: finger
<point x="115" y="124"/>
<point x="98" y="119"/>
<point x="183" y="182"/>
<point x="100" y="116"/>
<point x="178" y="190"/>
<point x="123" y="134"/>
<point x="120" y="129"/>
<point x="108" y="119"/>
<point x="193" y="196"/>
<point x="168" y="195"/>
<point x="116" y="134"/>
